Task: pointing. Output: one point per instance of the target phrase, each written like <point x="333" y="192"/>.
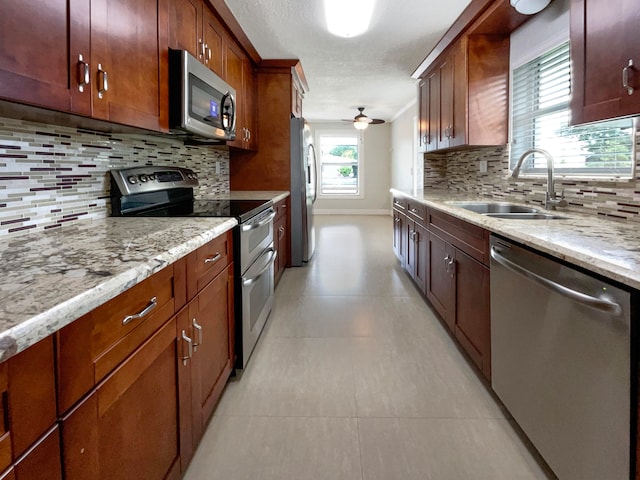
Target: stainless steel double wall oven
<point x="168" y="192"/>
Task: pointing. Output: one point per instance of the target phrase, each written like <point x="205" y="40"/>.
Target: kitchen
<point x="72" y="164"/>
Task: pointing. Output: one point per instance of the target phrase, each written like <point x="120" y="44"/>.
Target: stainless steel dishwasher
<point x="560" y="361"/>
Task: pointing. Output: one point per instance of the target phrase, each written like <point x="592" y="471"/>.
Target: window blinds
<point x="540" y="119"/>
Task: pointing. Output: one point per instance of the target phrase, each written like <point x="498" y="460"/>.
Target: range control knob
<point x="143" y="178"/>
<point x="132" y="179"/>
<point x="152" y="177"/>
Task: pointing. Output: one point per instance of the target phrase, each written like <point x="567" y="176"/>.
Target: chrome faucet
<point x="551" y="200"/>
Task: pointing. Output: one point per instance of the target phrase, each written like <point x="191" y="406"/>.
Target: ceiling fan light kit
<point x="529" y="7"/>
<point x="348" y="18"/>
<point x="361" y="121"/>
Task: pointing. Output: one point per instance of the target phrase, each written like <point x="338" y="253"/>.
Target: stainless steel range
<point x="168" y="192"/>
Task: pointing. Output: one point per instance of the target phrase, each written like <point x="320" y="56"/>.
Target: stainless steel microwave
<point x="201" y="105"/>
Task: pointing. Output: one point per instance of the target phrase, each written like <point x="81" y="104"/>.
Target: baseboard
<point x="345" y="211"/>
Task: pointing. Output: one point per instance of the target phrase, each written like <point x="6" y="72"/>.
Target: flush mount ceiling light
<point x="529" y="7"/>
<point x="348" y="18"/>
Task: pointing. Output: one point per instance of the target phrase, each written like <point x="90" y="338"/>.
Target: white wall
<point x="406" y="165"/>
<point x="376" y="173"/>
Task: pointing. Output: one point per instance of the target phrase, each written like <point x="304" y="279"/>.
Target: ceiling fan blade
<point x="376" y="121"/>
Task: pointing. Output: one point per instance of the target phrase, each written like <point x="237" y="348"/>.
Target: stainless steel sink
<point x="524" y="216"/>
<point x="495" y="208"/>
<point x="506" y="210"/>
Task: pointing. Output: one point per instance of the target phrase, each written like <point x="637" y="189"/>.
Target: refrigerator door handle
<point x="312" y="153"/>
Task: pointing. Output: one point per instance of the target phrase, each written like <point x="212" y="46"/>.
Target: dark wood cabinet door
<point x="30" y="398"/>
<point x="433" y="110"/>
<point x="129" y="57"/>
<point x="441" y="278"/>
<point x="399" y="243"/>
<point x="605" y="36"/>
<point x="42" y="462"/>
<point x="410" y="256"/>
<point x="473" y="327"/>
<point x="423" y="115"/>
<point x="212" y="318"/>
<point x="185" y="26"/>
<point x="446" y="121"/>
<point x="128" y="427"/>
<point x="249" y="99"/>
<point x="281" y="245"/>
<point x="184" y="335"/>
<point x="233" y="74"/>
<point x="40" y="46"/>
<point x="421" y="261"/>
<point x="214" y="42"/>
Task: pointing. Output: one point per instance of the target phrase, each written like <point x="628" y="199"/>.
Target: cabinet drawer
<point x="400" y="203"/>
<point x="417" y="211"/>
<point x="92" y="346"/>
<point x="208" y="261"/>
<point x="469" y="238"/>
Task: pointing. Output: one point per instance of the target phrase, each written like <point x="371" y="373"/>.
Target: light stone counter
<point x="609" y="248"/>
<point x="49" y="279"/>
<point x="274" y="195"/>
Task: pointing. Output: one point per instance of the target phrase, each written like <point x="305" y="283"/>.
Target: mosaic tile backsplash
<point x="53" y="176"/>
<point x="459" y="172"/>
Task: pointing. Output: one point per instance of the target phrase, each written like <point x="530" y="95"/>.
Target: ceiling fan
<point x="361" y="121"/>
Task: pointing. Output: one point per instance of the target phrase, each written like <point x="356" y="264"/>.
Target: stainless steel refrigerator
<point x="304" y="189"/>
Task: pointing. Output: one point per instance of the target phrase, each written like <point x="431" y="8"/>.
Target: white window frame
<point x="341" y="132"/>
<point x="521" y="54"/>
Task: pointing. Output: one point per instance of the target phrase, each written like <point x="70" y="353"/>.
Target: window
<point x="340" y="162"/>
<point x="540" y="119"/>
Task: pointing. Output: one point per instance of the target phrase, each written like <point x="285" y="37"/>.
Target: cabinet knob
<point x="625" y="77"/>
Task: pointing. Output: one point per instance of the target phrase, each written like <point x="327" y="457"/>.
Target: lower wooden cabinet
<point x="441" y="278"/>
<point x="211" y="328"/>
<point x="417" y="260"/>
<point x="128" y="426"/>
<point x="29" y="438"/>
<point x="399" y="236"/>
<point x="448" y="261"/>
<point x="472" y="310"/>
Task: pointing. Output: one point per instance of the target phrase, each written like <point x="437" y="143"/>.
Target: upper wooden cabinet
<point x="240" y="75"/>
<point x="130" y="62"/>
<point x="194" y="28"/>
<point x="605" y="55"/>
<point x="45" y="54"/>
<point x="99" y="58"/>
<point x="463" y="97"/>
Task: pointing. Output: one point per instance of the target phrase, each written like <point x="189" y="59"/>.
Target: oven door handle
<point x="261" y="223"/>
<point x="250" y="281"/>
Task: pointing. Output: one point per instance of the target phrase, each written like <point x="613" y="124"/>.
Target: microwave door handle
<point x="232" y="108"/>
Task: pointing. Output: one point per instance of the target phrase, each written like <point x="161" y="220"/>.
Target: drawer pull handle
<point x="153" y="303"/>
<point x="186" y="358"/>
<point x="198" y="328"/>
<point x="213" y="259"/>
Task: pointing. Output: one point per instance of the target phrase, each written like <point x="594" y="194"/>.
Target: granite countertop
<point x="49" y="279"/>
<point x="607" y="247"/>
<point x="274" y="195"/>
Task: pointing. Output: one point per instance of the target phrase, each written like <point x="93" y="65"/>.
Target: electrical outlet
<point x="483" y="166"/>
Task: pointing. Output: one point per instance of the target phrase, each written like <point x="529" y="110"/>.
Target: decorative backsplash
<point x="459" y="171"/>
<point x="51" y="176"/>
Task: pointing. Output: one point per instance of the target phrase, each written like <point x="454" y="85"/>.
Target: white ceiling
<point x="372" y="70"/>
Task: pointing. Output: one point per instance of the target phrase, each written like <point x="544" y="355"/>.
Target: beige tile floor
<point x="355" y="378"/>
